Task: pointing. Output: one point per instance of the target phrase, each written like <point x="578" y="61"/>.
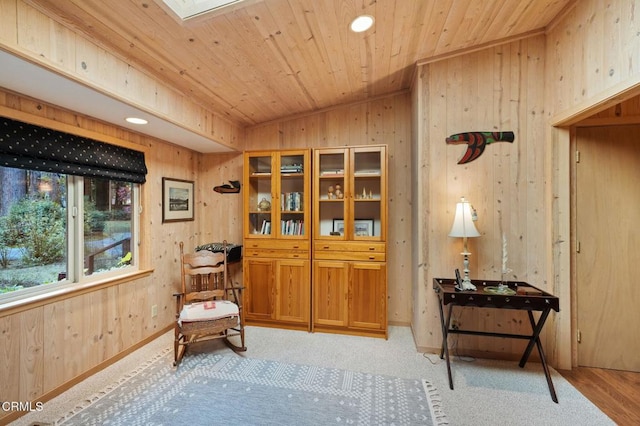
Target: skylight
<point x="186" y="9"/>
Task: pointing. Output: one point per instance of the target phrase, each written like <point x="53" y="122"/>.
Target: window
<point x="107" y="225"/>
<point x="68" y="209"/>
<point x="58" y="229"/>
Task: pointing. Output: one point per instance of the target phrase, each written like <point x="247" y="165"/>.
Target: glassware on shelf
<point x="264" y="205"/>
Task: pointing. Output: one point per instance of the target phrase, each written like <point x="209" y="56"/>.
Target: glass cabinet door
<point x="293" y="201"/>
<point x="367" y="167"/>
<point x="259" y="194"/>
<point x="331" y="192"/>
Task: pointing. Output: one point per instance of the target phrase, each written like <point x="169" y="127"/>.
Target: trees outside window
<point x="57" y="228"/>
<point x="107" y="225"/>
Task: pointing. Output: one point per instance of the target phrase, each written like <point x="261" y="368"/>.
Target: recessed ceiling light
<point x="136" y="120"/>
<point x="361" y="23"/>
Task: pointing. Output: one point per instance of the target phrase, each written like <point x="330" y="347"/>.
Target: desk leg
<point x="445" y="343"/>
<point x="535" y="339"/>
<point x="537" y="328"/>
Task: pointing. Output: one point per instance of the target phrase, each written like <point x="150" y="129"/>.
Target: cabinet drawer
<point x="274" y="253"/>
<point x="250" y="244"/>
<point x="350" y="255"/>
<point x="372" y="247"/>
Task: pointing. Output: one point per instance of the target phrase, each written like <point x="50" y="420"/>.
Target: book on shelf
<point x="291" y="168"/>
<point x="266" y="227"/>
<point x="292" y="227"/>
<point x="367" y="172"/>
<point x="291" y="201"/>
<point x="331" y="172"/>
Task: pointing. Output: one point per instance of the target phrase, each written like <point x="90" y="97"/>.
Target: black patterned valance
<point x="26" y="146"/>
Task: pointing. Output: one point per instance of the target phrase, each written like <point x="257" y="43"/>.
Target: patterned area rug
<point x="210" y="389"/>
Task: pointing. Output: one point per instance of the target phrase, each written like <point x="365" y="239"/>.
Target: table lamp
<point x="464" y="228"/>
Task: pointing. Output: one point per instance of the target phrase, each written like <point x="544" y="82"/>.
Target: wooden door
<point x="292" y="290"/>
<point x="367" y="290"/>
<point x="259" y="281"/>
<point x="608" y="237"/>
<point x="330" y="279"/>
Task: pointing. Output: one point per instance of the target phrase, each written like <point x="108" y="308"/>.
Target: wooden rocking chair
<point x="207" y="307"/>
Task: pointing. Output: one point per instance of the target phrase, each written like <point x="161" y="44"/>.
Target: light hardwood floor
<point x="616" y="393"/>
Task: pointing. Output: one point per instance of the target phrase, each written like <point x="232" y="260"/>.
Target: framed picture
<point x="177" y="200"/>
<point x="363" y="227"/>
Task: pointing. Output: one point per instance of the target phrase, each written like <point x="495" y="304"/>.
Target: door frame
<point x="560" y="142"/>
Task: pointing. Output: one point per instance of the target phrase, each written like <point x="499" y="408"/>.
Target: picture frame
<point x="177" y="200"/>
<point x="361" y="227"/>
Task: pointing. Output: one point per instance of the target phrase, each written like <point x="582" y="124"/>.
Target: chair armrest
<point x="236" y="291"/>
<point x="179" y="303"/>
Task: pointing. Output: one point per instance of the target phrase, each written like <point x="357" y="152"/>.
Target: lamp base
<point x="467" y="285"/>
<point x="466" y="281"/>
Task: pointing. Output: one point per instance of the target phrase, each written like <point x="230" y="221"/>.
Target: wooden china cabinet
<point x="277" y="217"/>
<point x="349" y="240"/>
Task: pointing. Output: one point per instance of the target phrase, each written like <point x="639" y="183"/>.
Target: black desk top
<point x="445" y="287"/>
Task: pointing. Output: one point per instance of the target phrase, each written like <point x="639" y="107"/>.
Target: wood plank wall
<point x="592" y="56"/>
<point x="382" y="121"/>
<point x="27" y="31"/>
<point x="47" y="346"/>
<point x="220" y="215"/>
<point x="588" y="57"/>
<point x="621" y="114"/>
<point x="497" y="89"/>
<point x="584" y="65"/>
<point x="591" y="65"/>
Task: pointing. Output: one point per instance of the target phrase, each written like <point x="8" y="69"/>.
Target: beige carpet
<point x="486" y="392"/>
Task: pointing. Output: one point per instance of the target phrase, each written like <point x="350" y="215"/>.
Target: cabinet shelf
<point x="277" y="257"/>
<point x="349" y="269"/>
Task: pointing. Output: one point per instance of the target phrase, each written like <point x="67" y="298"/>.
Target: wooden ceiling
<point x="266" y="59"/>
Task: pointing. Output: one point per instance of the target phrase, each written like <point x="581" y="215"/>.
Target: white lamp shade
<point x="463" y="222"/>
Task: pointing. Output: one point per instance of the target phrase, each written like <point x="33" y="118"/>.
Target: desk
<point x="543" y="302"/>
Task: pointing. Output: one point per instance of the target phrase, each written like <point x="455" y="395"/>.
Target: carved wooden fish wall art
<point x="477" y="141"/>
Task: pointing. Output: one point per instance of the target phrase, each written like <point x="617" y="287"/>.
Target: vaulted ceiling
<point x="260" y="60"/>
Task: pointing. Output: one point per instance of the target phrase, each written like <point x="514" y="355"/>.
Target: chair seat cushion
<point x="206" y="311"/>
